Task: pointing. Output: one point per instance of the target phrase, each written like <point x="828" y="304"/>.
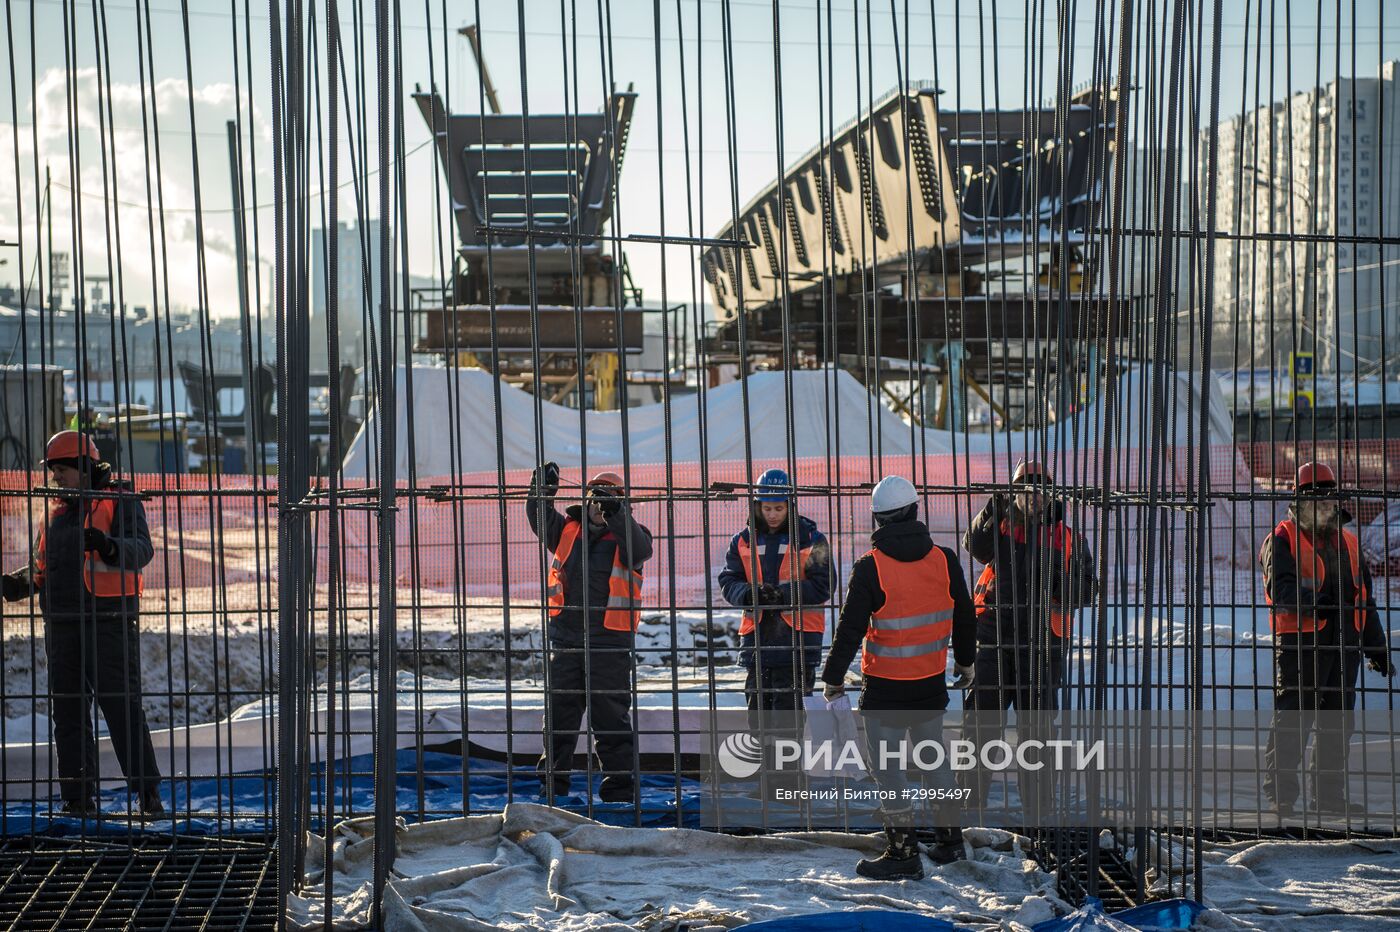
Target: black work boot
<point x="617" y="789"/>
<point x="80" y="807"/>
<point x="151" y="805"/>
<point x="899" y="861"/>
<point x="554" y="787"/>
<point x="1282" y="810"/>
<point x="947" y="845"/>
<point x="1340" y="808"/>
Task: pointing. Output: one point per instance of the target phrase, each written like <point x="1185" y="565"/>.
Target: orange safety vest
<point x="790" y="568"/>
<point x="624" y="585"/>
<point x="908" y="637"/>
<point x="1311" y="568"/>
<point x="103" y="580"/>
<point x="1060" y="538"/>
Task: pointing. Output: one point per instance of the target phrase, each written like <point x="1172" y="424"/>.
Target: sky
<point x="828" y="57"/>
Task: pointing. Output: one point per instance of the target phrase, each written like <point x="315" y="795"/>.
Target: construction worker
<point x="86" y="570"/>
<point x="1324" y="620"/>
<point x="1037" y="573"/>
<point x="594" y="589"/>
<point x="786" y="585"/>
<point x="906" y="601"/>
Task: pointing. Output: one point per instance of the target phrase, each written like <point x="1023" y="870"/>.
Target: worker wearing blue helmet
<point x="778" y="570"/>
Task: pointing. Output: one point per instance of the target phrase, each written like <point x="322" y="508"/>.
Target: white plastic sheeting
<point x="1380" y="540"/>
<point x="1299" y="885"/>
<point x="454" y="418"/>
<point x="534" y="867"/>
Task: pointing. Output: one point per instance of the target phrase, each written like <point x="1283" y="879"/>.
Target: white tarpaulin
<point x="455" y="427"/>
<point x="1304" y="886"/>
<point x="534" y="867"/>
<point x="1380" y="540"/>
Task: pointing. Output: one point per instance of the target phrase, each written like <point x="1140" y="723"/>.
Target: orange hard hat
<point x="70" y="445"/>
<point x="1031" y="471"/>
<point x="1315" y="476"/>
<point x="606" y="478"/>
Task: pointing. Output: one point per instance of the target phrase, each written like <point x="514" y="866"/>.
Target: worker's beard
<point x="1311" y="521"/>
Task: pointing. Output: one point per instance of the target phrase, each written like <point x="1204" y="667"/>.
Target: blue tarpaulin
<point x="1167" y="914"/>
<point x="244" y="803"/>
<point x="864" y="920"/>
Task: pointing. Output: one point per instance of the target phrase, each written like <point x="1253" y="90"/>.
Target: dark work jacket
<point x="64" y="595"/>
<point x="591" y="575"/>
<point x="906" y="541"/>
<point x="1338" y="588"/>
<point x="1018" y="615"/>
<point x="778" y="640"/>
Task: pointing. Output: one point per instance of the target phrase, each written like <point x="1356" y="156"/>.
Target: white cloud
<point x="118" y="191"/>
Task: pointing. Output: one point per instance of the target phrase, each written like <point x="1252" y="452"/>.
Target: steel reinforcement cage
<point x="1172" y="287"/>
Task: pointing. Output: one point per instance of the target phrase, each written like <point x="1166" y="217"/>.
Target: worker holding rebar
<point x="1324" y="620"/>
<point x="778" y="569"/>
<point x="1037" y="573"/>
<point x="86" y="570"/>
<point x="593" y="592"/>
<point x="906" y="602"/>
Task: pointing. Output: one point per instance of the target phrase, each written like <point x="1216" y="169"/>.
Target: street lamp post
<point x="1310" y="261"/>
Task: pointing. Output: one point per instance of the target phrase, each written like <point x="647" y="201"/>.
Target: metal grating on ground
<point x="1116" y="886"/>
<point x="190" y="884"/>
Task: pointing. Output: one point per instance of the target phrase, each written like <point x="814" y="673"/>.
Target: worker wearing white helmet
<point x="906" y="603"/>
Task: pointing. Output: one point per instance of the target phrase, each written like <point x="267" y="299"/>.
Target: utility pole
<point x="475" y="40"/>
<point x="251" y="448"/>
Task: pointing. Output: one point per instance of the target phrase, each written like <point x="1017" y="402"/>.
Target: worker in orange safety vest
<point x="1037" y="573"/>
<point x="593" y="590"/>
<point x="778" y="569"/>
<point x="86" y="570"/>
<point x="1324" y="620"/>
<point x="906" y="606"/>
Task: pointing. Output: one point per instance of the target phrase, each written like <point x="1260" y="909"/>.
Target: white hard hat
<point x="893" y="493"/>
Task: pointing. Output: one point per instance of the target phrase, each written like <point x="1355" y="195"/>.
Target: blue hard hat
<point x="774" y="486"/>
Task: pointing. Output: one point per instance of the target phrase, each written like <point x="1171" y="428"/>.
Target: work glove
<point x="1382" y="665"/>
<point x="94" y="539"/>
<point x="771" y="595"/>
<point x="963" y="676"/>
<point x="16" y="586"/>
<point x="544" y="483"/>
<point x="1327" y="598"/>
<point x="608" y="500"/>
<point x="833" y="691"/>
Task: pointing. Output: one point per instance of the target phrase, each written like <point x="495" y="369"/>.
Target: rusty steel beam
<point x="557" y="329"/>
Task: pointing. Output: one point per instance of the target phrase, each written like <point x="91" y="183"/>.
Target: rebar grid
<point x="361" y="624"/>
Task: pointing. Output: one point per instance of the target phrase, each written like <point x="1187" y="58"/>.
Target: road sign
<point x="1301" y="371"/>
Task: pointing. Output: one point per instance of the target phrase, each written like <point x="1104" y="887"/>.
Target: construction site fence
<point x="206" y="530"/>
